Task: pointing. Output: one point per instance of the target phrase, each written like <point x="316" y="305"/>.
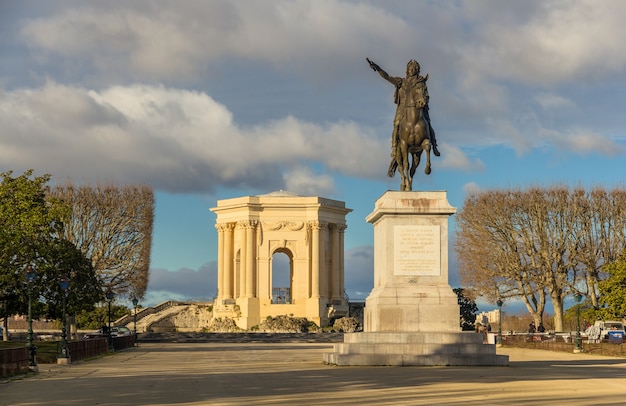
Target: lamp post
<point x="109" y="297"/>
<point x="64" y="353"/>
<point x="135" y="302"/>
<point x="3" y="302"/>
<point x="499" y="341"/>
<point x="31" y="277"/>
<point x="578" y="297"/>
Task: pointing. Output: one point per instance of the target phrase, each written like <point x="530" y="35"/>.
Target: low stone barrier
<point x="88" y="348"/>
<point x="91" y="347"/>
<point x="563" y="343"/>
<point x="13" y="361"/>
<point x="122" y="342"/>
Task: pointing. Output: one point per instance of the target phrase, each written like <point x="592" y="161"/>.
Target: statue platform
<point x="414" y="348"/>
<point x="412" y="315"/>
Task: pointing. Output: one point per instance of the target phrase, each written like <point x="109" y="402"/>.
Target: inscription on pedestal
<point x="417" y="250"/>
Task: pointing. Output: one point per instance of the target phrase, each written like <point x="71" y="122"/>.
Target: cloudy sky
<point x="208" y="100"/>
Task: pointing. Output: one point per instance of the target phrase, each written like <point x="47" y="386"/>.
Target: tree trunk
<point x="5" y="329"/>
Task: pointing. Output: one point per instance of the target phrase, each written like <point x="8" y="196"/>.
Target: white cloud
<point x="175" y="140"/>
<point x="584" y="142"/>
<point x="455" y="158"/>
<point x="304" y="182"/>
<point x="549" y="101"/>
<point x="161" y="39"/>
<point x="152" y="43"/>
<point x="494" y="66"/>
<point x="471" y="188"/>
<point x="549" y="41"/>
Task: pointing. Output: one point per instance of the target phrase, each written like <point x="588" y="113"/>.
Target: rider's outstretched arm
<point x="391" y="79"/>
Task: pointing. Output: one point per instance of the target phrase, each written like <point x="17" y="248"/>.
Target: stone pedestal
<point x="64" y="361"/>
<point x="412" y="314"/>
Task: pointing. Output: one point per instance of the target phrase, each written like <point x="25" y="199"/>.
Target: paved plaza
<point x="293" y="374"/>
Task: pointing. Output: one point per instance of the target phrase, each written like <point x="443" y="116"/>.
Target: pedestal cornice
<point x="411" y="203"/>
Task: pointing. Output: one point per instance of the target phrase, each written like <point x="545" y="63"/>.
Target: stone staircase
<point x="146" y="317"/>
<point x="146" y="323"/>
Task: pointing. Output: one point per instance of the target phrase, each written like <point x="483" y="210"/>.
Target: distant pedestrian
<point x="541" y="328"/>
<point x="482" y="330"/>
<point x="531" y="327"/>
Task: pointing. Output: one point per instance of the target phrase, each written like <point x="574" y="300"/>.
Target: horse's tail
<point x="393" y="165"/>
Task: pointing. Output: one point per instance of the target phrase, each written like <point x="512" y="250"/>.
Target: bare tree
<point x="113" y="227"/>
<point x="547" y="230"/>
<point x="599" y="236"/>
<point x="492" y="256"/>
<point x="538" y="242"/>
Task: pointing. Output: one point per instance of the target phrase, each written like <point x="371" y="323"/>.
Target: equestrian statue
<point x="412" y="131"/>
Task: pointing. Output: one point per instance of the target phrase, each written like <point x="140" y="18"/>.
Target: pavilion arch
<point x="281" y="276"/>
<point x="309" y="230"/>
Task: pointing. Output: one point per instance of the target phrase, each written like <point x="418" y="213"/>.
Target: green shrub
<point x="346" y="325"/>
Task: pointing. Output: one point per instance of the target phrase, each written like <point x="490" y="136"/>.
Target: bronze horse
<point x="412" y="133"/>
<point x="413" y="138"/>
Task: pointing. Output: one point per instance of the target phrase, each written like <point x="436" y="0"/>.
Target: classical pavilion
<point x="253" y="230"/>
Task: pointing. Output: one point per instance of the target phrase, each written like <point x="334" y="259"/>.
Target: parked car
<point x="117" y="331"/>
<point x="96" y="334"/>
<point x="120" y="331"/>
<point x="609" y="327"/>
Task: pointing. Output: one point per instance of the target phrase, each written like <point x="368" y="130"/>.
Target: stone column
<point x="243" y="255"/>
<point x="341" y="228"/>
<point x="250" y="258"/>
<point x="324" y="271"/>
<point x="315" y="258"/>
<point x="228" y="261"/>
<point x="220" y="260"/>
<point x="335" y="293"/>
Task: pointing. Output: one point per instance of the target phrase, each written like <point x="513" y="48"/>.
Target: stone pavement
<point x="161" y="373"/>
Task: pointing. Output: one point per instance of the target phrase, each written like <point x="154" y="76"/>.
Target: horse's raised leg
<point x="416" y="161"/>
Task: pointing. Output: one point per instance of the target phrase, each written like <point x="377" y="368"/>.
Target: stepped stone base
<point x="412" y="314"/>
<point x="415" y="348"/>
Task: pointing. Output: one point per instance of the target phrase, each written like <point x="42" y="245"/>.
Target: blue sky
<point x="208" y="100"/>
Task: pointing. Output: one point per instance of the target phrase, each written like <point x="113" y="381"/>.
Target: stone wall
<point x="194" y="317"/>
<point x="200" y="317"/>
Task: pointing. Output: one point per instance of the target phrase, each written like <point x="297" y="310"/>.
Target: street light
<point x="31" y="277"/>
<point x="109" y="296"/>
<point x="64" y="353"/>
<point x="499" y="303"/>
<point x="578" y="297"/>
<point x="3" y="302"/>
<point x="135" y="301"/>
